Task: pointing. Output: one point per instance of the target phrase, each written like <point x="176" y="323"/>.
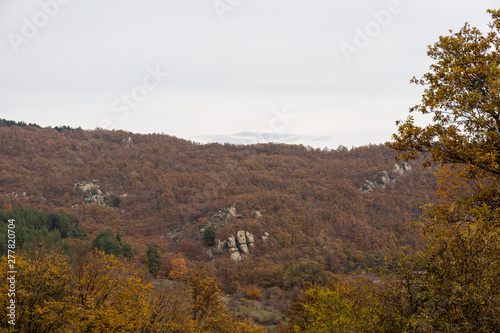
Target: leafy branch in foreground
<point x="453" y="286"/>
<point x="463" y="96"/>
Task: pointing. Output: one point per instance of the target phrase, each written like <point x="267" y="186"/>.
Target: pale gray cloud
<point x="256" y="137"/>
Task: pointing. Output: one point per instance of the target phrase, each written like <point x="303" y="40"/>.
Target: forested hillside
<point x="156" y="189"/>
<point x="305" y="209"/>
<point x="111" y="231"/>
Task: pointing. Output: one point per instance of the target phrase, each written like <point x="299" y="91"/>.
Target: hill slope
<point x="160" y="190"/>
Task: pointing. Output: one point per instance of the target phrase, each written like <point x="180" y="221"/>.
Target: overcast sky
<point x="314" y="72"/>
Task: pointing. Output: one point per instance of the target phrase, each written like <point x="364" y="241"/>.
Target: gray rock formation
<point x="128" y="141"/>
<point x="91" y="192"/>
<point x="256" y="214"/>
<point x="223" y="215"/>
<point x="241" y="240"/>
<point x="231" y="242"/>
<point x="220" y="245"/>
<point x="250" y="240"/>
<point x="234" y="252"/>
<point x="396" y="170"/>
<point x="232" y="211"/>
<point x="98" y="199"/>
<point x="238" y="246"/>
<point x="384" y="178"/>
<point x="241" y="237"/>
<point x="265" y="237"/>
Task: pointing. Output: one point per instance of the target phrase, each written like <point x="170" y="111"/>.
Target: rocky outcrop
<point x="17" y="195"/>
<point x="232" y="211"/>
<point x="224" y="214"/>
<point x="91" y="192"/>
<point x="86" y="187"/>
<point x="234" y="252"/>
<point x="239" y="246"/>
<point x="228" y="213"/>
<point x="384" y="178"/>
<point x="241" y="238"/>
<point x="220" y="245"/>
<point x="98" y="199"/>
<point x="128" y="141"/>
<point x="256" y="214"/>
<point x="250" y="240"/>
<point x="399" y="170"/>
<point x="231" y="242"/>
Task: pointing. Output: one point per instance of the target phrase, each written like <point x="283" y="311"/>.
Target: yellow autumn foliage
<point x="96" y="292"/>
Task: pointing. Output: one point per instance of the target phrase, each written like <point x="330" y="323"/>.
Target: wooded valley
<point x="112" y="231"/>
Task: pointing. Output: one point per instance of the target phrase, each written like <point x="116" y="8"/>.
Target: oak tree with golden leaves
<point x="454" y="285"/>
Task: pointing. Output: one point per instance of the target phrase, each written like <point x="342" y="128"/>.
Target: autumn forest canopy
<point x="124" y="232"/>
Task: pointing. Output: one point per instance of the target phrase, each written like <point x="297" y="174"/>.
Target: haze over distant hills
<point x="263" y="137"/>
